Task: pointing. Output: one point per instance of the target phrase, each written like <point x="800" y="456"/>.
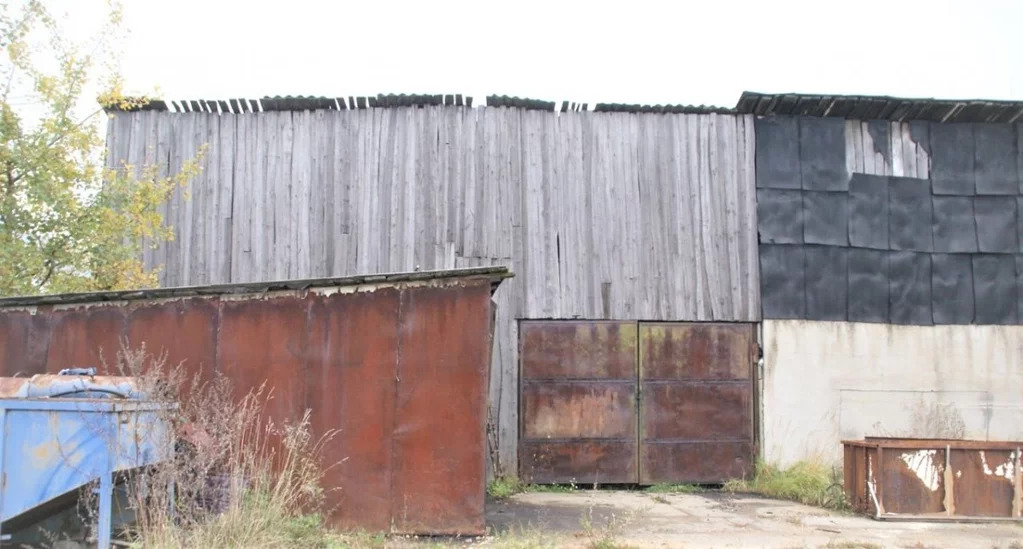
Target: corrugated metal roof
<point x="881" y="107"/>
<point x="498" y="273"/>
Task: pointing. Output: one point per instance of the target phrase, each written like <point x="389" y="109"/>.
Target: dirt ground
<point x="714" y="519"/>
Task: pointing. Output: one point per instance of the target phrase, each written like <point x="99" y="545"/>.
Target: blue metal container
<point x="59" y="433"/>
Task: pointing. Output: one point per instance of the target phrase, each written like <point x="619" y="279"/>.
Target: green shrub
<point x="806" y="482"/>
<point x="504" y="487"/>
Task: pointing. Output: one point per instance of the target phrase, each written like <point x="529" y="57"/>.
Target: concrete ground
<point x="585" y="518"/>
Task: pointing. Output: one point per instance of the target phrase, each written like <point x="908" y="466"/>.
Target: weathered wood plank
<point x="613" y="215"/>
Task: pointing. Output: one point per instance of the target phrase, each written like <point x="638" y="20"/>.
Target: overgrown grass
<point x="806" y="482"/>
<point x="239" y="479"/>
<point x="669" y="488"/>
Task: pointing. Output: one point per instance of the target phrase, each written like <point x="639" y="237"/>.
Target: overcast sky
<point x="629" y="52"/>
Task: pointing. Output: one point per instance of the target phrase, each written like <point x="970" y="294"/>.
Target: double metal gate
<point x="611" y="402"/>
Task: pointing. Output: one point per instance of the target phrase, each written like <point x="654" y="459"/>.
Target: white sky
<point x="623" y="52"/>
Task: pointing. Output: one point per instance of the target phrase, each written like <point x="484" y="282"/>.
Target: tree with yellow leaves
<point x="67" y="223"/>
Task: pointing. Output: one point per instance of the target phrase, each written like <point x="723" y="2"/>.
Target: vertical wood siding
<point x="891" y="149"/>
<point x="600" y="215"/>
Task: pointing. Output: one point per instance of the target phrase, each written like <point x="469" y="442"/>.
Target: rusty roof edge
<point x="495" y="273"/>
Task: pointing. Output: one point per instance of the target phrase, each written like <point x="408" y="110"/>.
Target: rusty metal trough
<point x="934" y="479"/>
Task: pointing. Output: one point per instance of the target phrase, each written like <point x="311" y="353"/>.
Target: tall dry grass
<point x="235" y="478"/>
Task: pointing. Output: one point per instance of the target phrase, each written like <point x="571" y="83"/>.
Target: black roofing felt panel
<point x="826" y="283"/>
<point x="868" y="285"/>
<point x="952" y="159"/>
<point x="822" y="154"/>
<point x="782" y="281"/>
<point x="825" y="218"/>
<point x="868" y="211"/>
<point x="909" y="288"/>
<point x="954" y="228"/>
<point x="1019" y="222"/>
<point x="1019" y="155"/>
<point x="994" y="289"/>
<point x="996" y="159"/>
<point x="1019" y="287"/>
<point x="777" y="154"/>
<point x="996" y="224"/>
<point x="880" y="134"/>
<point x="909" y="214"/>
<point x="952" y="288"/>
<point x="780" y="216"/>
<point x="920" y="131"/>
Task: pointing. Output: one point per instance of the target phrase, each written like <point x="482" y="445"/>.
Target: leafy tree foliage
<point x="67" y="223"/>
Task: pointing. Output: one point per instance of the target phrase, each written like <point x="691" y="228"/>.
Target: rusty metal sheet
<point x="696" y="411"/>
<point x="696" y="402"/>
<point x="588" y="349"/>
<point x="931" y="479"/>
<point x="24" y="338"/>
<point x="578" y="411"/>
<point x="350" y="385"/>
<point x="912" y="481"/>
<point x="707" y="462"/>
<point x="696" y="351"/>
<point x="186" y="330"/>
<point x="265" y="341"/>
<point x="983" y="482"/>
<point x="85" y="336"/>
<point x="397" y="365"/>
<point x="594" y="461"/>
<point x="439" y="435"/>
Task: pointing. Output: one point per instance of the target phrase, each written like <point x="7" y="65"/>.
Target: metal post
<point x="104" y="523"/>
<point x="3" y="469"/>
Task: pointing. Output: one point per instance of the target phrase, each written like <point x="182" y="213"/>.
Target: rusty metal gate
<point x="635" y="402"/>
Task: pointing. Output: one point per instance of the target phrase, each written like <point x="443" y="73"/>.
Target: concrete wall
<point x="828" y="381"/>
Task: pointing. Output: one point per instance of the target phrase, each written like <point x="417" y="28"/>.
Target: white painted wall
<point x="828" y="381"/>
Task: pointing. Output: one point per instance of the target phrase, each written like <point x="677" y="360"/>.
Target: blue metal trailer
<point x="58" y="434"/>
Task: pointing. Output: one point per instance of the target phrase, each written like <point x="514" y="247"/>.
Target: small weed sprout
<point x="669" y="488"/>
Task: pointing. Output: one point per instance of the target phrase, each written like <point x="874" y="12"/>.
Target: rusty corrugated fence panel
<point x="85" y="336"/>
<point x="696" y="401"/>
<point x="934" y="479"/>
<point x="439" y="433"/>
<point x="186" y="330"/>
<point x="396" y="364"/>
<point x="578" y="402"/>
<point x="352" y="371"/>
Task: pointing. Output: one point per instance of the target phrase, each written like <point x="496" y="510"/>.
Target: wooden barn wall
<point x="599" y="215"/>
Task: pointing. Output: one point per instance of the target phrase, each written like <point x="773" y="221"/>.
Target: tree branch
<point x="50" y="266"/>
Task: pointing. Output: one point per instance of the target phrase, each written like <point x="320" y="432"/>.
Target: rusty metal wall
<point x="628" y="402"/>
<point x="399" y="370"/>
<point x="934" y="479"/>
<point x="578" y="402"/>
<point x="696" y="401"/>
